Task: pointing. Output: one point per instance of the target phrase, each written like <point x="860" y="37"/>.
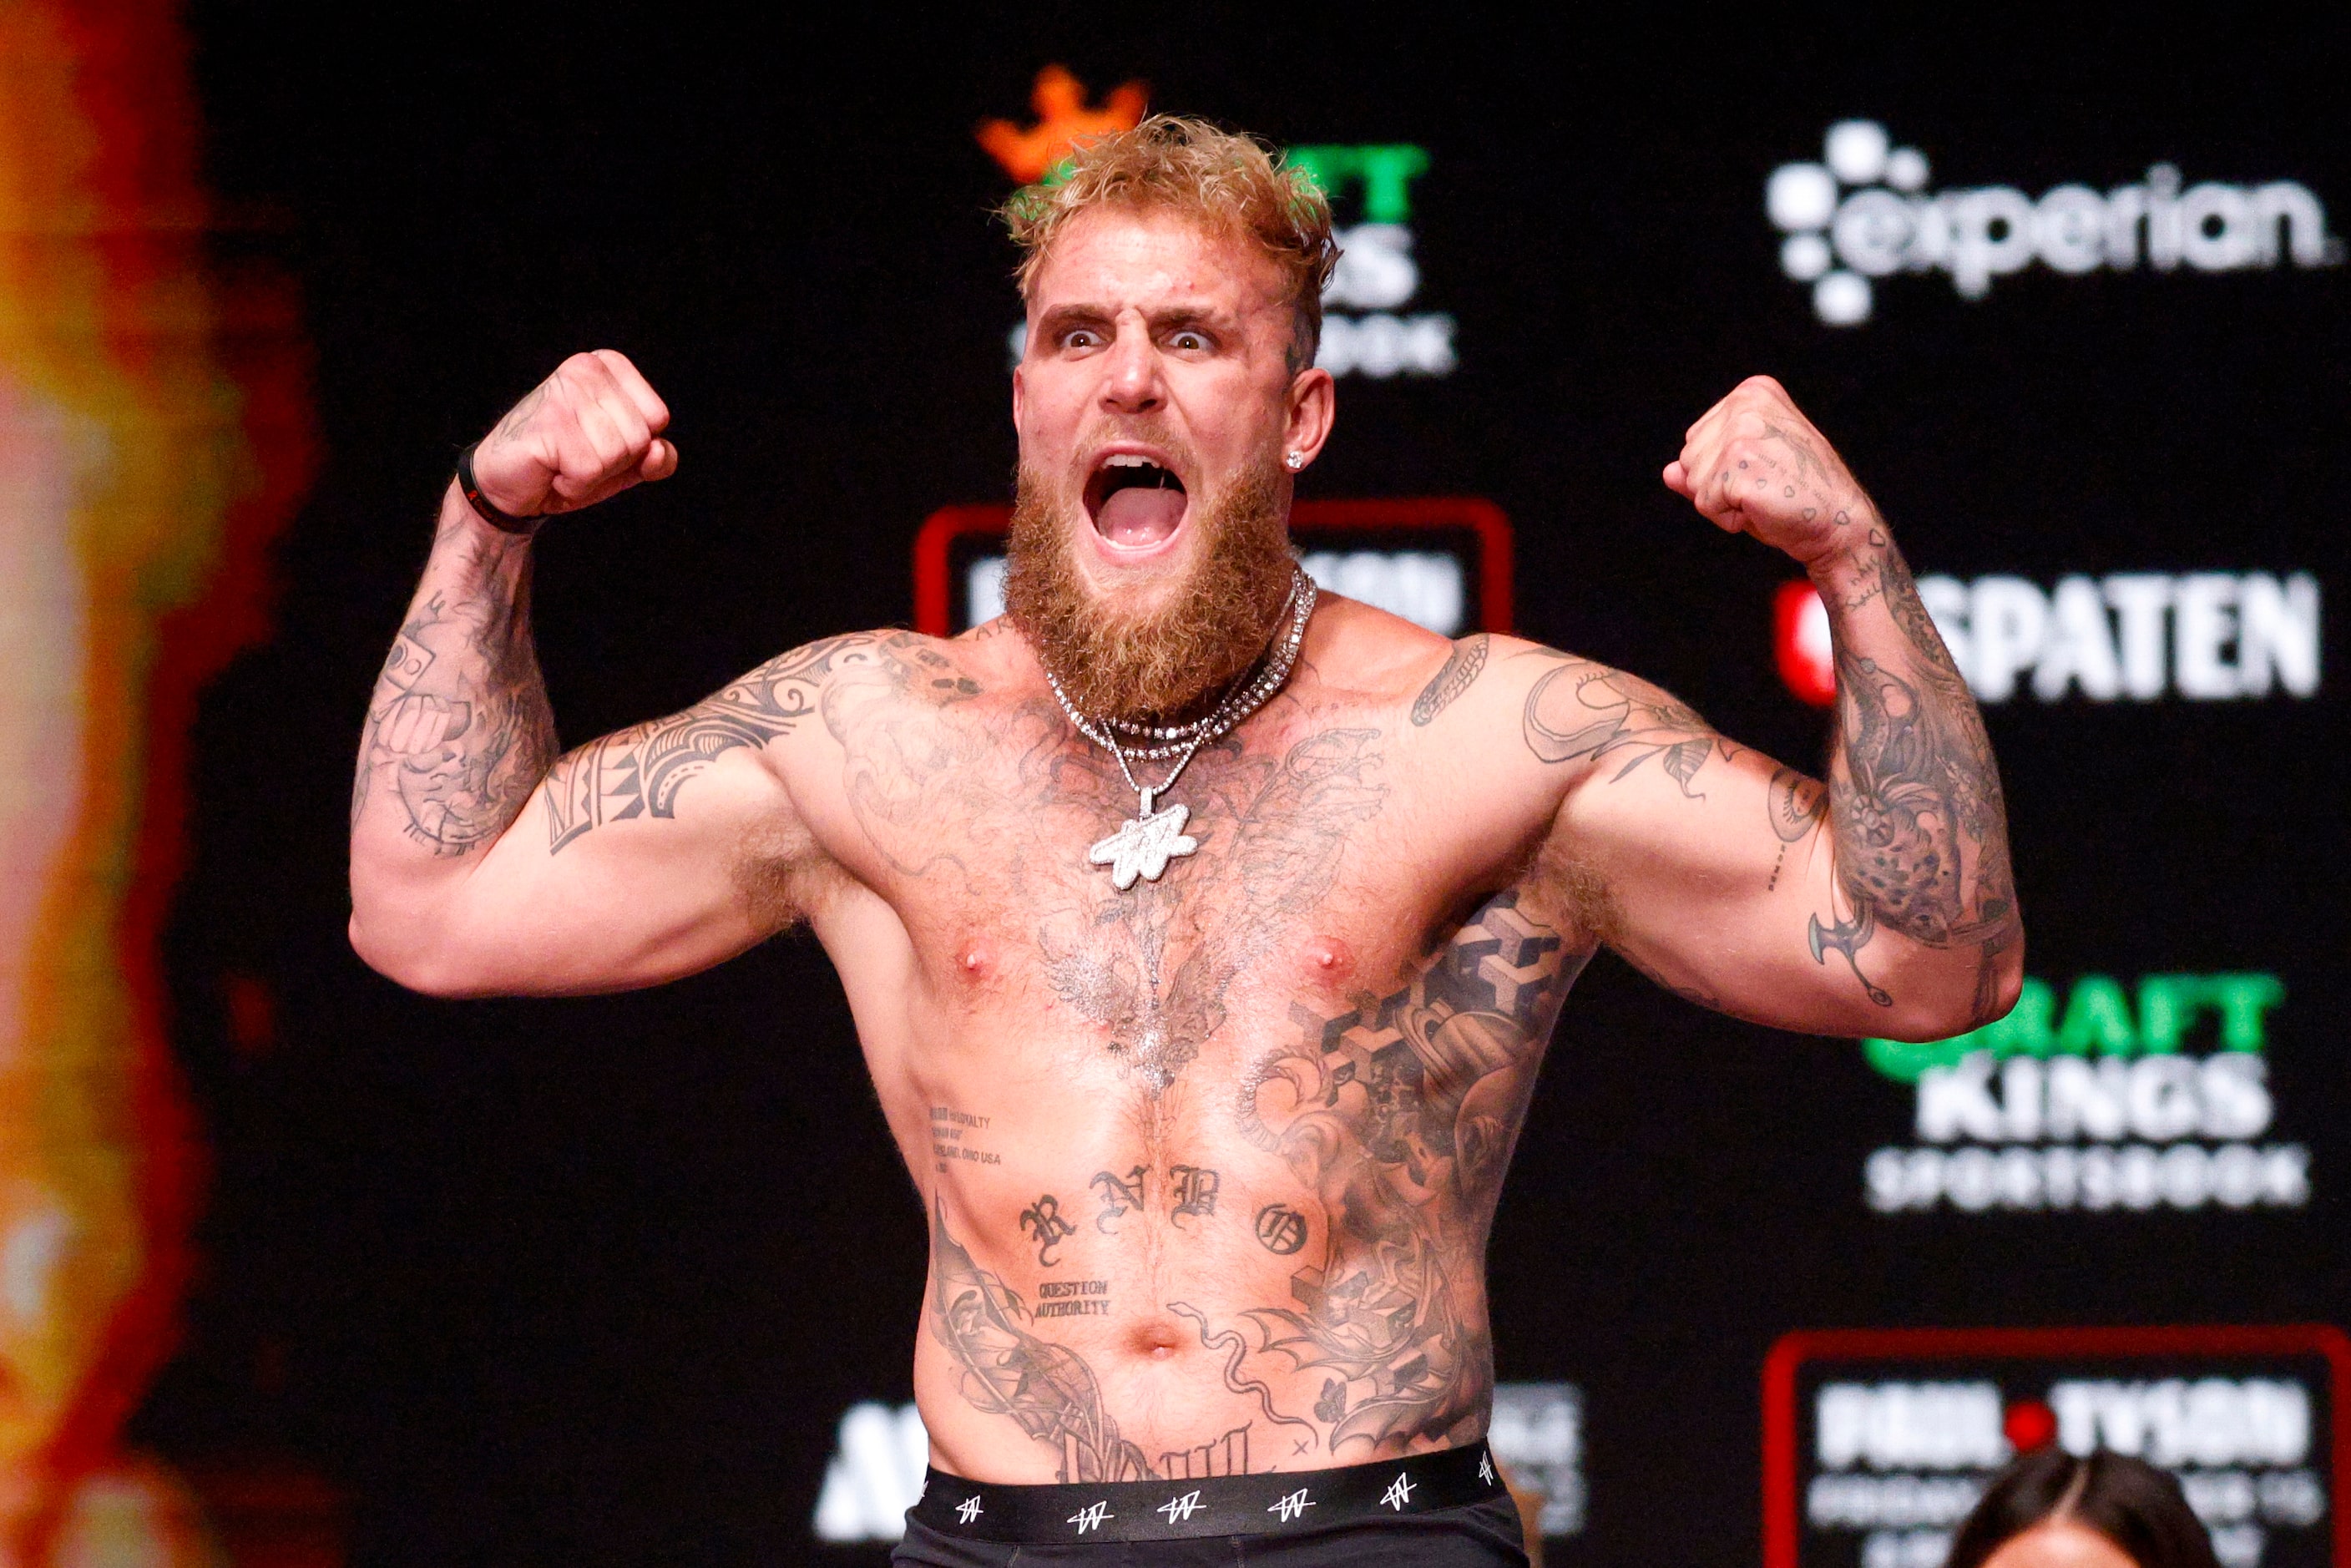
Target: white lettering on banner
<point x="1537" y="1433"/>
<point x="2174" y="1422"/>
<point x="1904" y="1549"/>
<point x="1381" y="345"/>
<point x="2232" y="636"/>
<point x="2158" y="1098"/>
<point x="875" y="1476"/>
<point x="1426" y="588"/>
<point x="1375" y="269"/>
<point x="1902" y="1463"/>
<point x="1864" y="213"/>
<point x="1376" y="273"/>
<point x="1890" y="1425"/>
<point x="1852" y="1501"/>
<point x="2099" y="1176"/>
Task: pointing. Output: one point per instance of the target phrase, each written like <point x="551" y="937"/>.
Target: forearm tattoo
<point x="1913" y="803"/>
<point x="459" y="727"/>
<point x="1920" y="827"/>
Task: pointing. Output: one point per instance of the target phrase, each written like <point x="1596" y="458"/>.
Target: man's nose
<point x="1131" y="381"/>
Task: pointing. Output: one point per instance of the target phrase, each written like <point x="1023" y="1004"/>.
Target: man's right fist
<point x="591" y="430"/>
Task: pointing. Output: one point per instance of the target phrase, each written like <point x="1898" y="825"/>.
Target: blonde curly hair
<point x="1228" y="183"/>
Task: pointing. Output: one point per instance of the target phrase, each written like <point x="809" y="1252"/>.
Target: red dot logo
<point x="1800" y="643"/>
<point x="2030" y="1425"/>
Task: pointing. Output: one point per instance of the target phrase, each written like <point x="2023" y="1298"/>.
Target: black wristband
<point x="506" y="523"/>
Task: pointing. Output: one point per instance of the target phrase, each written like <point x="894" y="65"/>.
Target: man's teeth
<point x="1128" y="460"/>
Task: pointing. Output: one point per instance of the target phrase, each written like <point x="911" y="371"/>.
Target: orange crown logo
<point x="1062" y="120"/>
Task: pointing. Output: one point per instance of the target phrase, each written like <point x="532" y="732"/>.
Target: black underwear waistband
<point x="1280" y="1502"/>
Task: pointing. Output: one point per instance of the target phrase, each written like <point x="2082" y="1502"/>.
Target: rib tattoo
<point x="1002" y="1369"/>
<point x="1400" y="1117"/>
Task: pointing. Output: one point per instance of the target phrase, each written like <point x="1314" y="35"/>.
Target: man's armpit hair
<point x="1572" y="885"/>
<point x="783" y="877"/>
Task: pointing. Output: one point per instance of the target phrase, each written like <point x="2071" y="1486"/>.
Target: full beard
<point x="1157" y="664"/>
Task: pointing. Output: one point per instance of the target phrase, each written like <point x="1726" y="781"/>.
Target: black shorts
<point x="1450" y="1510"/>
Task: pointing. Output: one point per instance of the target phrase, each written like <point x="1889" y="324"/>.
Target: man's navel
<point x="1158" y="1339"/>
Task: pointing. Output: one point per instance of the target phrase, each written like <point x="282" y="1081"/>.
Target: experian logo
<point x="1864" y="212"/>
<point x="2208" y="636"/>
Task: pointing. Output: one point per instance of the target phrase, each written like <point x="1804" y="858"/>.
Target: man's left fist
<point x="1753" y="464"/>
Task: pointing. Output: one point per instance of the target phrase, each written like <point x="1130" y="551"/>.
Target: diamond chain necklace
<point x="1144" y="845"/>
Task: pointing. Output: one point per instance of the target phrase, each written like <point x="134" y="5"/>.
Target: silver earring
<point x="1296" y="461"/>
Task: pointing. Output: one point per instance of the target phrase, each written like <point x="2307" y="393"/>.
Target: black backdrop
<point x="593" y="1280"/>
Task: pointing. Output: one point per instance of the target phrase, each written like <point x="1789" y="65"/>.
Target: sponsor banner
<point x="1370" y="324"/>
<point x="2097" y="1097"/>
<point x="1441" y="562"/>
<point x="1865" y="214"/>
<point x="2134" y="636"/>
<point x="1538" y="1435"/>
<point x="1877" y="1443"/>
<point x="875" y="1474"/>
<point x="876" y="1471"/>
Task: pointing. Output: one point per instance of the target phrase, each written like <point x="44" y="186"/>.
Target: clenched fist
<point x="591" y="430"/>
<point x="1753" y="464"/>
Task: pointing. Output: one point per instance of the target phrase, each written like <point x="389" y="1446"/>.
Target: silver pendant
<point x="1142" y="846"/>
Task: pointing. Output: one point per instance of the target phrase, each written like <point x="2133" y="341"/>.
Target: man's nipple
<point x="974" y="960"/>
<point x="1329" y="961"/>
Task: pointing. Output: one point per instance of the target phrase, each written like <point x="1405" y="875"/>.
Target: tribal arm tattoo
<point x="458" y="730"/>
<point x="639" y="771"/>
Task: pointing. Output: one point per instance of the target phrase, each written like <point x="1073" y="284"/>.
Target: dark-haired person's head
<point x="2050" y="1509"/>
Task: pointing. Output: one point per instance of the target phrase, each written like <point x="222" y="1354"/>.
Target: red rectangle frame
<point x="1781" y="1524"/>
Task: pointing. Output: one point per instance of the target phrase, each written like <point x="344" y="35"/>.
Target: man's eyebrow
<point x="1061" y="319"/>
<point x="1176" y="318"/>
<point x="1061" y="316"/>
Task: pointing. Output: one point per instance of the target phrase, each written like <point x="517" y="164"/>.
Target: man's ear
<point x="1313" y="407"/>
<point x="1019" y="397"/>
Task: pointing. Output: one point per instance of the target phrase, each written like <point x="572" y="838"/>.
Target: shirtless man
<point x="1208" y="1056"/>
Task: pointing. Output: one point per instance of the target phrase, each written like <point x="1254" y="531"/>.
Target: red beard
<point x="1156" y="665"/>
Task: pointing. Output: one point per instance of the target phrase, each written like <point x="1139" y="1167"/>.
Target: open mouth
<point x="1135" y="501"/>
